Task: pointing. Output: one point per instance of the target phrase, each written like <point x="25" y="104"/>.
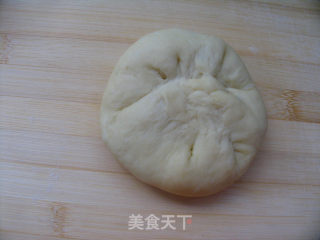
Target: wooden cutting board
<point x="59" y="181"/>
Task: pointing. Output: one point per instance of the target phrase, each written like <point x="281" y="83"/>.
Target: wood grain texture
<point x="59" y="181"/>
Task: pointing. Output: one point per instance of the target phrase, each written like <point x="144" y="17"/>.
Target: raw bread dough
<point x="181" y="113"/>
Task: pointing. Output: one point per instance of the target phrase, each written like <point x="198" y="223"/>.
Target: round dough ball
<point x="181" y="113"/>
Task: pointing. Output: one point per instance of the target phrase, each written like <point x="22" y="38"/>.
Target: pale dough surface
<point x="181" y="113"/>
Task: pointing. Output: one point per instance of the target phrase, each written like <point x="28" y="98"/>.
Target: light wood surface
<point x="59" y="181"/>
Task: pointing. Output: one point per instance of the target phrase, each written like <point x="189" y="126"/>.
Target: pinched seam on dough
<point x="159" y="72"/>
<point x="165" y="77"/>
<point x="143" y="96"/>
<point x="221" y="62"/>
<point x="191" y="148"/>
<point x="242" y="141"/>
<point x="215" y="74"/>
